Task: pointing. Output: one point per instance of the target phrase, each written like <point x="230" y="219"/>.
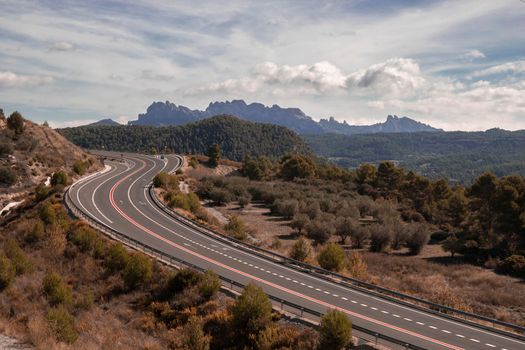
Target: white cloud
<point x="10" y="79"/>
<point x="397" y="76"/>
<point x="62" y="46"/>
<point x="509" y="67"/>
<point x="474" y="54"/>
<point x="319" y="77"/>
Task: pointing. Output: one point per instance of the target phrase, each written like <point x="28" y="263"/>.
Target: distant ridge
<point x="106" y="122"/>
<point x="167" y="113"/>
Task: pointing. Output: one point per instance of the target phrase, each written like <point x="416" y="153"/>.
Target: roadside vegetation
<point x="376" y="224"/>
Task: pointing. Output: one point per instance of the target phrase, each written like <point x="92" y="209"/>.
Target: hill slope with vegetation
<point x="457" y="156"/>
<point x="64" y="285"/>
<point x="237" y="138"/>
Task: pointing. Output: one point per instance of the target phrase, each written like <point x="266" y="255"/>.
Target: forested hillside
<point x="237" y="138"/>
<point x="456" y="156"/>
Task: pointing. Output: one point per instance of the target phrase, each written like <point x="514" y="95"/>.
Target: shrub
<point x="117" y="258"/>
<point x="513" y="265"/>
<point x="79" y="167"/>
<point x="193" y="162"/>
<point x="235" y="228"/>
<point x="62" y="324"/>
<point x="356" y="266"/>
<point x="17" y="256"/>
<point x="85" y="238"/>
<point x="7" y="272"/>
<point x="418" y="239"/>
<point x="48" y="214"/>
<point x="379" y="239"/>
<point x="139" y="270"/>
<point x="7" y="176"/>
<point x="5" y="149"/>
<point x="166" y="181"/>
<point x="209" y="285"/>
<point x="193" y="335"/>
<point x="56" y="291"/>
<point x="332" y="257"/>
<point x="59" y="178"/>
<point x="37" y="233"/>
<point x="300" y="249"/>
<point x="335" y="331"/>
<point x="252" y="311"/>
<point x="15" y="122"/>
<point x="42" y="192"/>
<point x="179" y="281"/>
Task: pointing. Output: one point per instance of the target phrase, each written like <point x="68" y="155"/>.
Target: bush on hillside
<point x="7" y="176"/>
<point x="139" y="270"/>
<point x="209" y="285"/>
<point x="57" y="291"/>
<point x="62" y="324"/>
<point x="332" y="257"/>
<point x="17" y="256"/>
<point x="235" y="228"/>
<point x="117" y="258"/>
<point x="59" y="178"/>
<point x="7" y="272"/>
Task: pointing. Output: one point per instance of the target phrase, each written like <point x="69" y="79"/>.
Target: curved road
<point x="117" y="197"/>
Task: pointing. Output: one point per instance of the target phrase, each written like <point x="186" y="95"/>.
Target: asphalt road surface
<point x="117" y="197"/>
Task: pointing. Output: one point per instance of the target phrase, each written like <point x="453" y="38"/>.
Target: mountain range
<point x="167" y="113"/>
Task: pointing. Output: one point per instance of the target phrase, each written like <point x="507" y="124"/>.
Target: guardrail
<point x="378" y="291"/>
<point x="285" y="306"/>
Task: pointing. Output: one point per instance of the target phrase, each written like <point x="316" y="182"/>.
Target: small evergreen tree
<point x="252" y="311"/>
<point x="332" y="257"/>
<point x="15" y="122"/>
<point x="300" y="249"/>
<point x="214" y="154"/>
<point x="335" y="331"/>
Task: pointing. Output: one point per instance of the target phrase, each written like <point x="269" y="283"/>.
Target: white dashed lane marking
<point x="474" y="340"/>
<point x="492" y="346"/>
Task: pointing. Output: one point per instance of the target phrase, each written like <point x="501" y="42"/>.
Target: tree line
<point x="235" y="137"/>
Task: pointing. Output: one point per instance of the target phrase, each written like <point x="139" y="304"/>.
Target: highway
<point x="118" y="197"/>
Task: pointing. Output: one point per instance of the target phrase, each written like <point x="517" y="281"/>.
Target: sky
<point x="457" y="65"/>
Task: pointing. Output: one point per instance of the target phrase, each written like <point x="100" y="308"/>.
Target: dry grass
<point x="473" y="288"/>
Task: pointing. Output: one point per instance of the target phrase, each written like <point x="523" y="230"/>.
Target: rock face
<point x="393" y="124"/>
<point x="167" y="113"/>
